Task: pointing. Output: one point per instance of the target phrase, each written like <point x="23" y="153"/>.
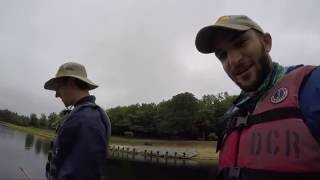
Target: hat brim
<point x="206" y="38"/>
<point x="52" y="84"/>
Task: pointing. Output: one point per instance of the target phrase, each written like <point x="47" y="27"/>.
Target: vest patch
<point x="279" y="95"/>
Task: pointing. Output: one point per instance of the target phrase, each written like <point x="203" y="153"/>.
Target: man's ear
<point x="267" y="40"/>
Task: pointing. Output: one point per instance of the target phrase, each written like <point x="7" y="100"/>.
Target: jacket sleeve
<point x="88" y="151"/>
<point x="309" y="101"/>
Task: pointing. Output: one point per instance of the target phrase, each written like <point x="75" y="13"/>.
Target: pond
<point x="20" y="150"/>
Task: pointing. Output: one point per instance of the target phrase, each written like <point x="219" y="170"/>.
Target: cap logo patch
<point x="279" y="95"/>
<point x="223" y="19"/>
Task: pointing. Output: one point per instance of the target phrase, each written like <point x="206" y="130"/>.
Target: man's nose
<point x="234" y="56"/>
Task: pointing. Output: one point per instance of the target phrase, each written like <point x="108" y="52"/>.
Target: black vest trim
<point x="237" y="173"/>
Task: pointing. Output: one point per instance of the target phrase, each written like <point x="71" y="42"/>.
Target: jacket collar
<point x="86" y="99"/>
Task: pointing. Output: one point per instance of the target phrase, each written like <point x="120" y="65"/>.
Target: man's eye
<point x="240" y="43"/>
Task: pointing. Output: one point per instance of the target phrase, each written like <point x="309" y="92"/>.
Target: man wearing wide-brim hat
<point x="80" y="148"/>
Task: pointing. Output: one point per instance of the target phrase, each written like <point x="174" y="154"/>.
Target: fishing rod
<point x="25" y="173"/>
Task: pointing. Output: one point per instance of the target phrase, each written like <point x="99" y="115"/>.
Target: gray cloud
<point x="137" y="51"/>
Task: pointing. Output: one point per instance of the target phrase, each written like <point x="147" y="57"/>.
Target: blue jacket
<point x="81" y="143"/>
<point x="309" y="101"/>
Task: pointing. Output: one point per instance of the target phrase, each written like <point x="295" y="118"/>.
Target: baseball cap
<point x="206" y="38"/>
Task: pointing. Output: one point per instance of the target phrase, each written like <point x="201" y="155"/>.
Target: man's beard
<point x="262" y="73"/>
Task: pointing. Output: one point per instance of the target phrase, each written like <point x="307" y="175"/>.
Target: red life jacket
<point x="274" y="141"/>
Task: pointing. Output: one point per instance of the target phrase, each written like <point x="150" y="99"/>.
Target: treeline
<point x="181" y="117"/>
<point x="45" y="122"/>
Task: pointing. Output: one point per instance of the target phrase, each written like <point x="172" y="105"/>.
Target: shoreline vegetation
<point x="206" y="153"/>
<point x="183" y="117"/>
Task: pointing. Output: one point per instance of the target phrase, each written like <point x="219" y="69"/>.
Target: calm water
<point x="21" y="150"/>
<point x="29" y="152"/>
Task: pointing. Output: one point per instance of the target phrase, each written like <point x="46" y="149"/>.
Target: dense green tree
<point x="25" y="120"/>
<point x="178" y="114"/>
<point x="119" y="119"/>
<point x="143" y="120"/>
<point x="53" y="120"/>
<point x="34" y="121"/>
<point x="43" y="121"/>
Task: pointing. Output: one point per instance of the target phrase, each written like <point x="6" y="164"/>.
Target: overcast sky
<point x="137" y="51"/>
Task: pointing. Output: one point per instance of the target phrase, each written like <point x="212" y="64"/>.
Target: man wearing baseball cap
<point x="272" y="130"/>
<point x="80" y="147"/>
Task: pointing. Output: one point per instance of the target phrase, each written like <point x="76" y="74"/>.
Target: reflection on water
<point x="20" y="150"/>
<point x="40" y="145"/>
<point x="45" y="148"/>
<point x="5" y="132"/>
<point x="29" y="141"/>
<point x="135" y="170"/>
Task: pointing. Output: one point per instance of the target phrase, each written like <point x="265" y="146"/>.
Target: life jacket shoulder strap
<point x="267" y="116"/>
<point x="240" y="122"/>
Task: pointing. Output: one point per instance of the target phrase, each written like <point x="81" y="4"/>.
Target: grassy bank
<point x="49" y="134"/>
<point x="205" y="149"/>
